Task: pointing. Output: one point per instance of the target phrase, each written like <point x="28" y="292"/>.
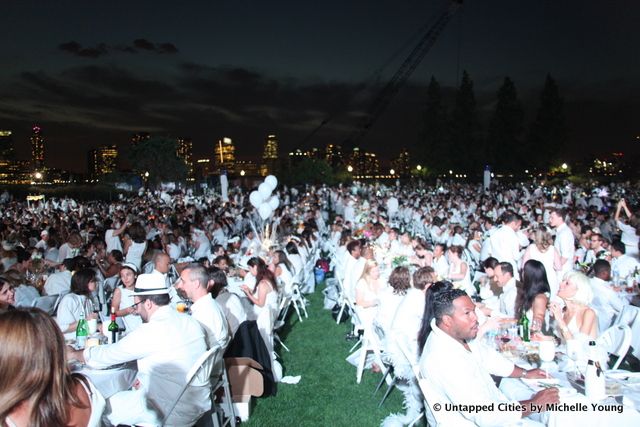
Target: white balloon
<point x="264" y="190"/>
<point x="274" y="202"/>
<point x="255" y="199"/>
<point x="265" y="211"/>
<point x="272" y="181"/>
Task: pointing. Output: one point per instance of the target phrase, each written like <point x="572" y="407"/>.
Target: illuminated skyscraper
<point x="401" y="164"/>
<point x="37" y="148"/>
<point x="184" y="150"/>
<point x="333" y="154"/>
<point x="225" y="155"/>
<point x="6" y="145"/>
<point x="102" y="160"/>
<point x="270" y="155"/>
<point x="364" y="164"/>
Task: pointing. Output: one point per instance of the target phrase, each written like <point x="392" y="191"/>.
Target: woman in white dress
<point x="135" y="245"/>
<point x="577" y="319"/>
<point x="77" y="303"/>
<point x="629" y="230"/>
<point x="459" y="272"/>
<point x="368" y="291"/>
<point x="264" y="294"/>
<point x="122" y="301"/>
<point x="282" y="269"/>
<point x="542" y="250"/>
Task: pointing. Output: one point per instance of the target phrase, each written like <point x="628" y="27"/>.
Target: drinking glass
<point x="547" y="350"/>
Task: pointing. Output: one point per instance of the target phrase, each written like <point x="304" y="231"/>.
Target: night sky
<point x="94" y="73"/>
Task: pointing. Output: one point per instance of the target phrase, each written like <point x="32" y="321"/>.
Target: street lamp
<point x="564" y="166"/>
<point x="38" y="175"/>
<point x="146" y="174"/>
<point x="349" y="168"/>
<point x="419" y="167"/>
<point x="392" y="172"/>
<point x="242" y="172"/>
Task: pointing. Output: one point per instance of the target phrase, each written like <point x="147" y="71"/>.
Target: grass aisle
<point x="327" y="394"/>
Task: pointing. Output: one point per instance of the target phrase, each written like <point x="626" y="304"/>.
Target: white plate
<point x="541" y="382"/>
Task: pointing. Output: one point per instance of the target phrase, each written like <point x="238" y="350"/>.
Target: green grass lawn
<point x="327" y="394"/>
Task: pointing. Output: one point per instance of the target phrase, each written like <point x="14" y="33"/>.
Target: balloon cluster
<point x="262" y="200"/>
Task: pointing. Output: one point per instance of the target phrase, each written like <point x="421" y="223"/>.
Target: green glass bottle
<point x="82" y="332"/>
<point x="113" y="326"/>
<point x="524" y="325"/>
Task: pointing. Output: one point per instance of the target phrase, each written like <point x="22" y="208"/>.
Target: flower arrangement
<point x="400" y="261"/>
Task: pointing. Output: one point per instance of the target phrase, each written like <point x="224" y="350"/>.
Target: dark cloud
<point x="144" y="44"/>
<point x="75" y="48"/>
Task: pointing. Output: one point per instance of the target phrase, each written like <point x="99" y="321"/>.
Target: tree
<point x="547" y="134"/>
<point x="434" y="151"/>
<point x="465" y="129"/>
<point x="310" y="171"/>
<point x="504" y="147"/>
<point x="158" y="157"/>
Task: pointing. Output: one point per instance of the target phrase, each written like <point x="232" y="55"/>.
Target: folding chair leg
<point x="386" y="394"/>
<point x="295" y="306"/>
<point x="355" y="345"/>
<point x="361" y="363"/>
<point x="277" y="338"/>
<point x="420" y="415"/>
<point x="304" y="309"/>
<point x="384" y="376"/>
<point x="340" y="313"/>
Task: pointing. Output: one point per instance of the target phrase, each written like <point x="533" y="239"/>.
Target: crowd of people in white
<point x="394" y="251"/>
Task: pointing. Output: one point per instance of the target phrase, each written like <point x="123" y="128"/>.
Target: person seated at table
<point x="577" y="319"/>
<point x="60" y="281"/>
<point x="533" y="295"/>
<point x="122" y="302"/>
<point x="459" y="273"/>
<point x="7" y="295"/>
<point x="36" y="386"/>
<point x="264" y="294"/>
<point x="282" y="268"/>
<point x="77" y="303"/>
<point x="391" y="296"/>
<point x="165" y="347"/>
<point x="607" y="303"/>
<point x="368" y="290"/>
<point x="423" y="256"/>
<point x="458" y="368"/>
<point x="229" y="302"/>
<point x="193" y="284"/>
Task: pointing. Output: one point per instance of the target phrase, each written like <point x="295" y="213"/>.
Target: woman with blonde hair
<point x="36" y="387"/>
<point x="542" y="250"/>
<point x="576" y="319"/>
<point x="367" y="292"/>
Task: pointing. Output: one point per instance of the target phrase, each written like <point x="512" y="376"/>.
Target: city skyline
<point x="248" y="69"/>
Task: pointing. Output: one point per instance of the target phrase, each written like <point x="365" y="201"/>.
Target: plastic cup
<point x="181" y="307"/>
<point x="93" y="326"/>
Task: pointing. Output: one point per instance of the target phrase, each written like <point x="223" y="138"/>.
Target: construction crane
<point x="384" y="98"/>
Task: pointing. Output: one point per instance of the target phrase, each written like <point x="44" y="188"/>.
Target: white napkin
<point x="291" y="380"/>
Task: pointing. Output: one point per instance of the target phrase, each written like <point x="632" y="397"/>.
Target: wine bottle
<point x="113" y="326"/>
<point x="524" y="327"/>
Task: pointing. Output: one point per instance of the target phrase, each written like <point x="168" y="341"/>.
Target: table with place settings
<point x="620" y="408"/>
<point x="111" y="380"/>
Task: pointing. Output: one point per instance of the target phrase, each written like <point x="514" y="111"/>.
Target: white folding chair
<point x="630" y="316"/>
<point x="201" y="370"/>
<point x="227" y="402"/>
<point x="616" y="340"/>
<point x="47" y="303"/>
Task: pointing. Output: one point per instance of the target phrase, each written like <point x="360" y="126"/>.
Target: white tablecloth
<point x="110" y="381"/>
<point x="606" y="416"/>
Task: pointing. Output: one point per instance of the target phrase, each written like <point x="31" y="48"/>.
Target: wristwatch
<point x="523" y="373"/>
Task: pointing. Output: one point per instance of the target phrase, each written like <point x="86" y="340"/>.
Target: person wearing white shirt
<point x="565" y="242"/>
<point x="505" y="280"/>
<point x="606" y="302"/>
<point x="622" y="263"/>
<point x="60" y="282"/>
<point x="229" y="302"/>
<point x="439" y="263"/>
<point x="505" y="245"/>
<point x="457" y="368"/>
<point x="630" y="236"/>
<point x="112" y="236"/>
<point x="192" y="284"/>
<point x="165" y="347"/>
<point x="353" y="268"/>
